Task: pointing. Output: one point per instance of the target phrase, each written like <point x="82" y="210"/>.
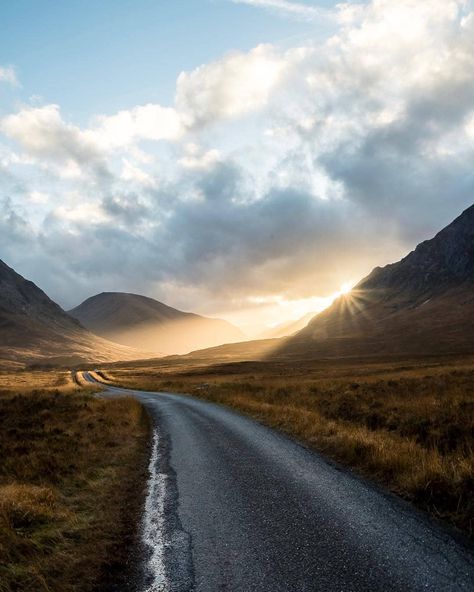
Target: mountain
<point x="139" y="321"/>
<point x="424" y="304"/>
<point x="33" y="328"/>
<point x="288" y="328"/>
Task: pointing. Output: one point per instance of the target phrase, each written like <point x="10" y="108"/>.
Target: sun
<point x="345" y="288"/>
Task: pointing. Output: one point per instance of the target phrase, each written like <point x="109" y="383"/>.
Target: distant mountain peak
<point x="133" y="319"/>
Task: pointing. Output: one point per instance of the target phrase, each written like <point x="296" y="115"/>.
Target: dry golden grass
<point x="15" y="381"/>
<point x="406" y="424"/>
<point x="72" y="477"/>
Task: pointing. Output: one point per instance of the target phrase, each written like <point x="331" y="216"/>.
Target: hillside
<point x="142" y="322"/>
<point x="33" y="328"/>
<point x="421" y="304"/>
<point x="288" y="328"/>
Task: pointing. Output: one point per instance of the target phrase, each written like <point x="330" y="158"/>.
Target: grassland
<point x="72" y="475"/>
<point x="408" y="425"/>
<point x="25" y="381"/>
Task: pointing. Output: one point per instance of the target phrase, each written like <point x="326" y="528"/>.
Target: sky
<point x="236" y="158"/>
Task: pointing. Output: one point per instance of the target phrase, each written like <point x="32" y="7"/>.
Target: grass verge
<point x="72" y="479"/>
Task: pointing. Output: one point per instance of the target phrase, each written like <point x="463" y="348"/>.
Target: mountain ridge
<point x="446" y="258"/>
<point x="424" y="301"/>
<point x="35" y="329"/>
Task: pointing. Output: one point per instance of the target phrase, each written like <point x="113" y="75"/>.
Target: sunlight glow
<point x="261" y="313"/>
<point x="345" y="288"/>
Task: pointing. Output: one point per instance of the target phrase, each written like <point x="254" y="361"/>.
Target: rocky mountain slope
<point x="139" y="321"/>
<point x="422" y="304"/>
<point x="33" y="328"/>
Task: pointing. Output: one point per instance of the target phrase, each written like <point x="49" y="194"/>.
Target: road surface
<point x="235" y="506"/>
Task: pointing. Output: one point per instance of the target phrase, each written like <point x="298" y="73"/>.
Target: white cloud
<point x="133" y="173"/>
<point x="237" y="84"/>
<point x="38" y="197"/>
<point x="284" y="7"/>
<point x="470" y="126"/>
<point x="145" y="122"/>
<point x="232" y="87"/>
<point x="85" y="212"/>
<point x="196" y="158"/>
<point x="42" y="132"/>
<point x="8" y="74"/>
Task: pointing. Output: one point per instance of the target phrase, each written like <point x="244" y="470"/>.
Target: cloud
<point x="275" y="173"/>
<point x="237" y="84"/>
<point x="8" y="74"/>
<point x="284" y="7"/>
<point x="145" y="122"/>
<point x="43" y="134"/>
<point x="38" y="197"/>
<point x="395" y="94"/>
<point x="134" y="174"/>
<point x="196" y="158"/>
<point x="233" y="86"/>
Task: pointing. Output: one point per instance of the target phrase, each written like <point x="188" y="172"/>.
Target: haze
<point x="251" y="173"/>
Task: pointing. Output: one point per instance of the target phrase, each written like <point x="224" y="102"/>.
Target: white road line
<point x="154" y="523"/>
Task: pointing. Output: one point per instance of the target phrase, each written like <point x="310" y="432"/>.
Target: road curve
<point x="240" y="507"/>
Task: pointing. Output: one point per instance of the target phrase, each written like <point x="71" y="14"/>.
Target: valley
<point x="377" y="390"/>
<point x="237" y="296"/>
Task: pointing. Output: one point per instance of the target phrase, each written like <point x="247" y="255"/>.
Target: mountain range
<point x="421" y="305"/>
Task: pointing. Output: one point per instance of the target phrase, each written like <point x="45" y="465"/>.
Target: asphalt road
<point x="236" y="506"/>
